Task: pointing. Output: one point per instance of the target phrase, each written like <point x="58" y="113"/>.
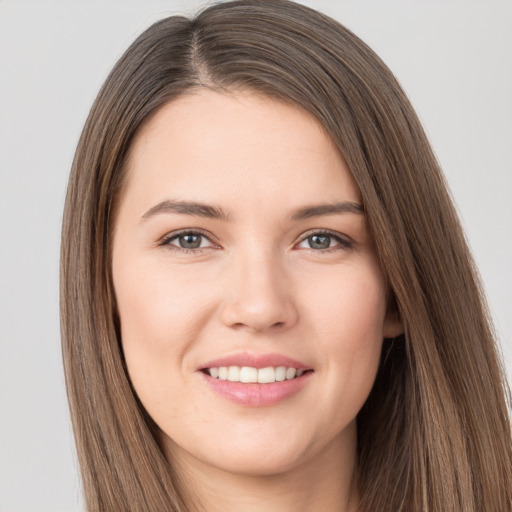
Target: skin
<point x="255" y="285"/>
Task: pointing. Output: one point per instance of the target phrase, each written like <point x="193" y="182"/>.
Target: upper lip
<point x="255" y="361"/>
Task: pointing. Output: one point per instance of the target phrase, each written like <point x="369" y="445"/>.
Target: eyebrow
<point x="186" y="208"/>
<point x="216" y="212"/>
<point x="327" y="209"/>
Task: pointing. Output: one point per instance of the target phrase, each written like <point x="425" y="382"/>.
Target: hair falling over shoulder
<point x="435" y="434"/>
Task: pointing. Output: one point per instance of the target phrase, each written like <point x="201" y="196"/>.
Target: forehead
<point x="240" y="148"/>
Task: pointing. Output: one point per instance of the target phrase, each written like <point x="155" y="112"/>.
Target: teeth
<point x="280" y="373"/>
<point x="290" y="373"/>
<point x="248" y="374"/>
<point x="266" y="375"/>
<point x="234" y="373"/>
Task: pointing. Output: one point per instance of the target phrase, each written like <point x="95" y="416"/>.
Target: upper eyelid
<point x="328" y="232"/>
<point x="192" y="231"/>
<point x="321" y="231"/>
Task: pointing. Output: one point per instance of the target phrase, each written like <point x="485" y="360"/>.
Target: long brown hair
<point x="434" y="434"/>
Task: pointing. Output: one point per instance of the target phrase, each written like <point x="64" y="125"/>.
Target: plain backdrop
<point x="454" y="59"/>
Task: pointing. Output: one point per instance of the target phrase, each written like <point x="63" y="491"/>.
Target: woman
<point x="267" y="299"/>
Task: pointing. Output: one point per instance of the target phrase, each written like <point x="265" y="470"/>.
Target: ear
<point x="393" y="325"/>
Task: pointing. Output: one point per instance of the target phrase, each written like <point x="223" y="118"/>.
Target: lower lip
<point x="257" y="395"/>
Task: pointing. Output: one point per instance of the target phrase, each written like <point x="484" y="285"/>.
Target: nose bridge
<point x="259" y="291"/>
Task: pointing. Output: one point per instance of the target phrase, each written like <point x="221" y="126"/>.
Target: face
<point x="252" y="304"/>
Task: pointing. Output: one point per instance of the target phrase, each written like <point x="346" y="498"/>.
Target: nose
<point x="259" y="296"/>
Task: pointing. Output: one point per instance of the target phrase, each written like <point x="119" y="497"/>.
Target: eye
<point x="187" y="241"/>
<point x="324" y="240"/>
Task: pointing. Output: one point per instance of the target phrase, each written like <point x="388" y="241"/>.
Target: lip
<point x="255" y="361"/>
<point x="256" y="395"/>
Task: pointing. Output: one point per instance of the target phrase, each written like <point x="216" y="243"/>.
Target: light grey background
<point x="454" y="59"/>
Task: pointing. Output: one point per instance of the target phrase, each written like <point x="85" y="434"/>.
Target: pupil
<point x="319" y="241"/>
<point x="190" y="241"/>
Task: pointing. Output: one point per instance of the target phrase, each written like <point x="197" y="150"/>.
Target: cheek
<point x="349" y="307"/>
<point x="348" y="320"/>
<point x="157" y="302"/>
<point x="161" y="314"/>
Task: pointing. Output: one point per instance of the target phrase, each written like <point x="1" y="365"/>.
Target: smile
<point x="248" y="374"/>
<point x="256" y="380"/>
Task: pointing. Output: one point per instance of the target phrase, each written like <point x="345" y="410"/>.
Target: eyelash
<point x="167" y="239"/>
<point x="344" y="242"/>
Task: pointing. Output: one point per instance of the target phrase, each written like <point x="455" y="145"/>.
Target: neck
<point x="326" y="481"/>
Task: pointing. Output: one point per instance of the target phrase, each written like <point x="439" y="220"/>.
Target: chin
<point x="248" y="455"/>
<point x="260" y="463"/>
